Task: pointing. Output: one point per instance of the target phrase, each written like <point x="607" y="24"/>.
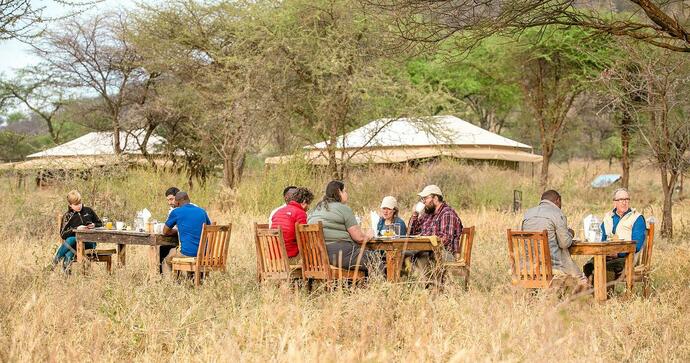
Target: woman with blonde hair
<point x="77" y="217"/>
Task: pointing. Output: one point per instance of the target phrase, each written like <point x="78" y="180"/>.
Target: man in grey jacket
<point x="548" y="216"/>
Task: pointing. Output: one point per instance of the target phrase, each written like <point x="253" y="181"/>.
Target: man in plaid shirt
<point x="439" y="220"/>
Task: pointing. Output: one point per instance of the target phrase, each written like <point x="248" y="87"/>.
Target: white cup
<point x="419" y="207"/>
<point x="119" y="225"/>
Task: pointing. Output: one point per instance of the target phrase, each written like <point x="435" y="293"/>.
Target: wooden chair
<point x="212" y="253"/>
<point x="643" y="266"/>
<point x="271" y="255"/>
<point x="463" y="257"/>
<point x="315" y="262"/>
<point x="530" y="259"/>
<point x="95" y="254"/>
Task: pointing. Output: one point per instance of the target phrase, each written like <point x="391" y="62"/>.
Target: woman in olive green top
<point x="340" y="229"/>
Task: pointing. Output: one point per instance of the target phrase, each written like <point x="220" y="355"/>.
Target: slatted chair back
<point x="312" y="248"/>
<point x="272" y="258"/>
<point x="213" y="247"/>
<point x="646" y="256"/>
<point x="464" y="248"/>
<point x="530" y="259"/>
<point x="261" y="226"/>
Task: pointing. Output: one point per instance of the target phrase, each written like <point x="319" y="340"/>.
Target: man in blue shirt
<point x="623" y="223"/>
<point x="189" y="220"/>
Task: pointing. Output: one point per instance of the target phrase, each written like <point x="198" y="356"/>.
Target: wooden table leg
<point x="121" y="255"/>
<point x="81" y="260"/>
<point x="393" y="265"/>
<point x="600" y="278"/>
<point x="629" y="273"/>
<point x="154" y="260"/>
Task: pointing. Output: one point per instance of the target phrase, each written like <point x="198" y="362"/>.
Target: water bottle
<point x="595" y="229"/>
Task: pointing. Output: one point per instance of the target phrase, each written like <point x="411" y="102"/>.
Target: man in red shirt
<point x="285" y="218"/>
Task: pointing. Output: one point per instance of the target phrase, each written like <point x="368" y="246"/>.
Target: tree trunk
<point x="116" y="139"/>
<point x="626" y="123"/>
<point x="668" y="184"/>
<point x="547" y="152"/>
<point x="545" y="169"/>
<point x="331" y="149"/>
<point x="233" y="167"/>
<point x="228" y="172"/>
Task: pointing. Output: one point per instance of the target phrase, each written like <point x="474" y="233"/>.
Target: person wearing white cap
<point x="389" y="216"/>
<point x="438" y="219"/>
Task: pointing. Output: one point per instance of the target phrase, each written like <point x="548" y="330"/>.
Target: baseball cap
<point x="389" y="202"/>
<point x="430" y="189"/>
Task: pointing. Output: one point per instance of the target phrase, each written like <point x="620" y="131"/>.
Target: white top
<point x="270" y="216"/>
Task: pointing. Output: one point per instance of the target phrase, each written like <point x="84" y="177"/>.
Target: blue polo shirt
<point x="639" y="230"/>
<point x="189" y="220"/>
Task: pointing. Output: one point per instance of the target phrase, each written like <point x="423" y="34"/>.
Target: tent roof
<point x="435" y="130"/>
<point x="77" y="163"/>
<point x="101" y="143"/>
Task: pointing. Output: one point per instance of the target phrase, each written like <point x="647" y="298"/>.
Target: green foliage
<point x="481" y="79"/>
<point x="13" y="146"/>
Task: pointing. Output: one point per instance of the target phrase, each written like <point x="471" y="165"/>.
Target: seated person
<point x="627" y="224"/>
<point x="286" y="217"/>
<point x="77" y="216"/>
<point x="287" y="194"/>
<point x="342" y="233"/>
<point x="170" y="198"/>
<point x="549" y="216"/>
<point x="439" y="219"/>
<point x="189" y="220"/>
<point x="389" y="216"/>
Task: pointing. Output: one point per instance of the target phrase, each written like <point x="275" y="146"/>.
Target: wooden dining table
<point x="394" y="248"/>
<point x="600" y="250"/>
<point x="123" y="238"/>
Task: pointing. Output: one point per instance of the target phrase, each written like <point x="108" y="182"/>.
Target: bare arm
<point x="169" y="231"/>
<point x="358" y="235"/>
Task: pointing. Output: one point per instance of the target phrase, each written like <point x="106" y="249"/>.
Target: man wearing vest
<point x="625" y="224"/>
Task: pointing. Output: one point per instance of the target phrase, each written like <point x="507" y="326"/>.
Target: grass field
<point x="46" y="316"/>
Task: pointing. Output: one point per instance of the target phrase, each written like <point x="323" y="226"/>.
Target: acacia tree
<point x="659" y="81"/>
<point x="210" y="53"/>
<point x="36" y="90"/>
<point x="333" y="73"/>
<point x="554" y="68"/>
<point x="95" y="57"/>
<point x="662" y="24"/>
<point x="24" y="19"/>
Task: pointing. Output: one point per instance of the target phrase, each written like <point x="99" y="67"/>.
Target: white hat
<point x="389" y="202"/>
<point x="430" y="189"/>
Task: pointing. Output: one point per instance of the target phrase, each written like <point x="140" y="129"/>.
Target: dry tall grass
<point x="45" y="316"/>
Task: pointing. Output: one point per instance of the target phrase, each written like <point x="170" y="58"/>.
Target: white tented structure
<point x="94" y="149"/>
<point x="387" y="141"/>
<point x="101" y="143"/>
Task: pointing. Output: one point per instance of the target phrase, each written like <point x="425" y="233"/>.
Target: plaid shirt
<point x="444" y="224"/>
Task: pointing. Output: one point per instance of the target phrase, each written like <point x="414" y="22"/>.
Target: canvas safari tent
<point x="388" y="141"/>
<point x="94" y="149"/>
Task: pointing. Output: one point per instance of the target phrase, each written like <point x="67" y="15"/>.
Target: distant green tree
<point x="481" y="80"/>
